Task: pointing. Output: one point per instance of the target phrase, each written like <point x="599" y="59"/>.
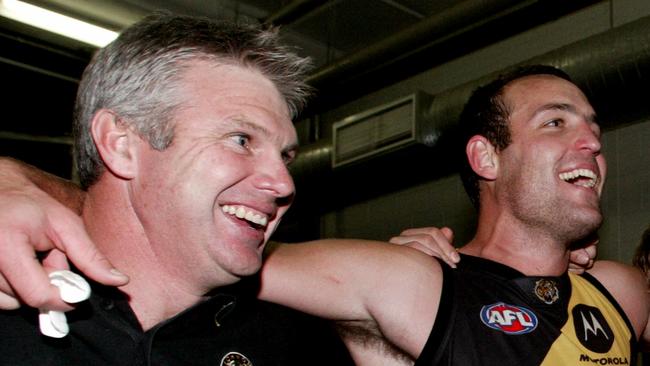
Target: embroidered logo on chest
<point x="592" y="329"/>
<point x="235" y="359"/>
<point x="546" y="290"/>
<point x="509" y="319"/>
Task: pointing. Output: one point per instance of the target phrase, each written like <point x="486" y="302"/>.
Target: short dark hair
<point x="486" y="114"/>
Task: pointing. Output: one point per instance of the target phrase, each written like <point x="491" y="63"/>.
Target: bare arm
<point x="34" y="222"/>
<point x="63" y="191"/>
<point x="393" y="287"/>
<point x="628" y="286"/>
<point x="364" y="340"/>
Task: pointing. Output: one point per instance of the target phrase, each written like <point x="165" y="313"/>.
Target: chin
<point x="584" y="229"/>
<point x="249" y="266"/>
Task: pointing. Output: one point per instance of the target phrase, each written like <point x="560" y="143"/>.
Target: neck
<point x="532" y="251"/>
<point x="155" y="292"/>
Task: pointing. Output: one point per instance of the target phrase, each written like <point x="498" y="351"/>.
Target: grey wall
<point x="626" y="199"/>
<point x="442" y="202"/>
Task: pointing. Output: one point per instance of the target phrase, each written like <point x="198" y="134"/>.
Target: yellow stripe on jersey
<point x="595" y="332"/>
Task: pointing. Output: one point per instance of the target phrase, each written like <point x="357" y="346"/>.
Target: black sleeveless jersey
<point x="491" y="314"/>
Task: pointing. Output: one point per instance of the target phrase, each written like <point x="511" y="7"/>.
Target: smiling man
<point x="535" y="171"/>
<point x="183" y="134"/>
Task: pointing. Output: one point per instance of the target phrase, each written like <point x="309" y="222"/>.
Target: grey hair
<point x="138" y="75"/>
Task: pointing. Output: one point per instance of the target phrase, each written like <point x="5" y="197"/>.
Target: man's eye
<point x="553" y="123"/>
<point x="242" y="140"/>
<point x="288" y="157"/>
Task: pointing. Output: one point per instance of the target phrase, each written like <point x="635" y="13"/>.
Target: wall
<point x="442" y="202"/>
<point x="626" y="201"/>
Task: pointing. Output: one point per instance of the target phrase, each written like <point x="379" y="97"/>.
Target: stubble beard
<point x="548" y="215"/>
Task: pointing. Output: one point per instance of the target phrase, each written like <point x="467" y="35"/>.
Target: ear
<point x="115" y="143"/>
<point x="482" y="157"/>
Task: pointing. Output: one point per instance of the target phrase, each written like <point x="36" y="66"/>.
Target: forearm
<point x="19" y="174"/>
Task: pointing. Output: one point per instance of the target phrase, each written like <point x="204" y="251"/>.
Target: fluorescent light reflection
<point x="56" y="23"/>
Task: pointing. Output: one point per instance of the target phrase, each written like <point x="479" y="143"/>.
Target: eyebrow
<point x="570" y="108"/>
<point x="244" y="123"/>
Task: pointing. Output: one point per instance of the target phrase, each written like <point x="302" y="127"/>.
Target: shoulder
<point x="404" y="286"/>
<point x="618" y="277"/>
<point x="628" y="286"/>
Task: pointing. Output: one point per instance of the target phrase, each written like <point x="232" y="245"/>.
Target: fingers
<point x="579" y="257"/>
<point x="578" y="269"/>
<point x="591" y="251"/>
<point x="55" y="260"/>
<point x="24" y="233"/>
<point x="34" y="223"/>
<point x="24" y="278"/>
<point x="432" y="241"/>
<point x="446" y="232"/>
<point x="450" y="258"/>
<point x="582" y="259"/>
<point x="8" y="302"/>
<point x="71" y="237"/>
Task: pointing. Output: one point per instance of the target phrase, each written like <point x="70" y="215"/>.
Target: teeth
<point x="240" y="213"/>
<point x="245" y="214"/>
<point x="581" y="173"/>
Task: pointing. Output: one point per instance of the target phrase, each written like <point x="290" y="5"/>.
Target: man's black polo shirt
<point x="105" y="331"/>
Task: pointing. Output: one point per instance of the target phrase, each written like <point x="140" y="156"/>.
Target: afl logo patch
<point x="509" y="319"/>
<point x="235" y="359"/>
<point x="592" y="329"/>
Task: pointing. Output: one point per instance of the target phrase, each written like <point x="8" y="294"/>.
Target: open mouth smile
<point x="581" y="177"/>
<point x="247" y="214"/>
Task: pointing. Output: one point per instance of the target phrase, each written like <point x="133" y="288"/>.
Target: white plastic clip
<point x="72" y="289"/>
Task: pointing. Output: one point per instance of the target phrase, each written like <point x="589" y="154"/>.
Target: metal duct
<point x="613" y="68"/>
<point x="293" y="11"/>
<point x="400" y="44"/>
<point x="467" y="26"/>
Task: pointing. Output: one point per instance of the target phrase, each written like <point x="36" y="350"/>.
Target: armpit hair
<point x="368" y="335"/>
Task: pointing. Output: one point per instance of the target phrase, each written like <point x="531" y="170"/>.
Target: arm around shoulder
<point x="15" y="174"/>
<point x="397" y="288"/>
<point x="34" y="222"/>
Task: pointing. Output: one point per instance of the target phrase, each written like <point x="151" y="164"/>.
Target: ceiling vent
<point x="379" y="130"/>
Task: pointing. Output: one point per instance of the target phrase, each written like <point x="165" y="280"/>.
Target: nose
<point x="275" y="178"/>
<point x="588" y="138"/>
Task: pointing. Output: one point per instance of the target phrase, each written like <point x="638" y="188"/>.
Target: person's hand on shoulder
<point x="436" y="242"/>
<point x="582" y="259"/>
<point x="38" y="233"/>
